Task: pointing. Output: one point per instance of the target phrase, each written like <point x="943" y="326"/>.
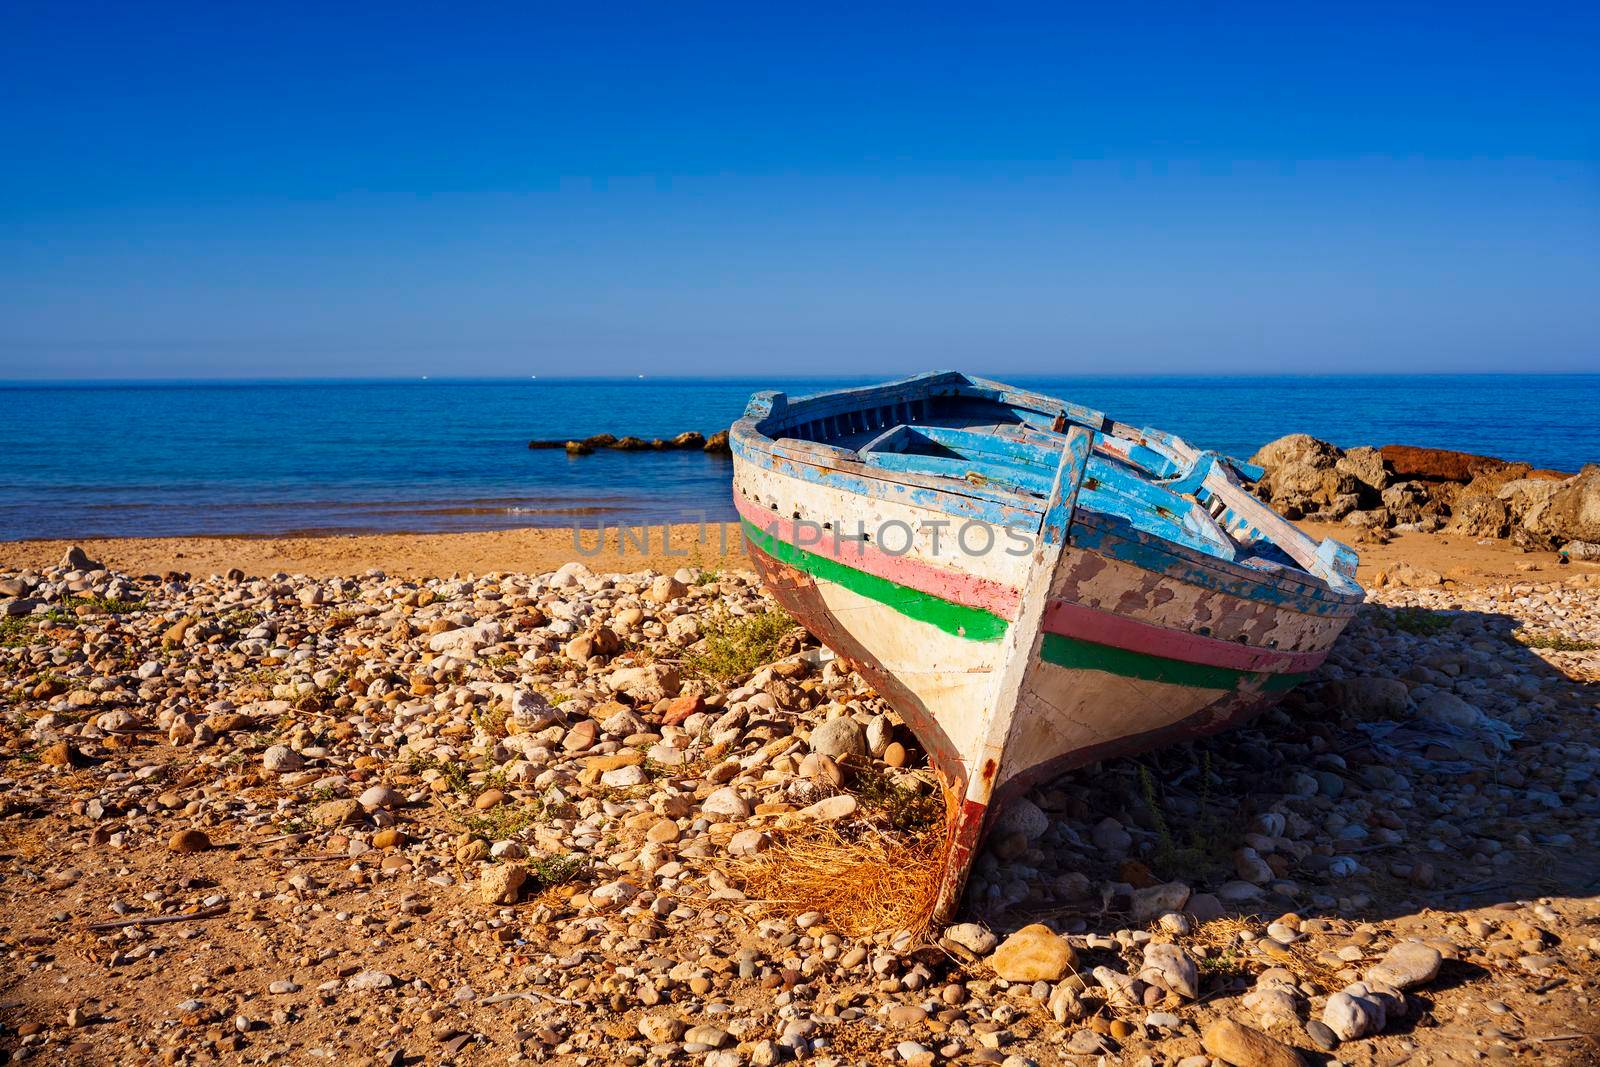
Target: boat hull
<point x="1017" y="634"/>
<point x="1103" y="684"/>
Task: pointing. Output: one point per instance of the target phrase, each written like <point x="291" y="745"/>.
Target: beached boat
<point x="1032" y="585"/>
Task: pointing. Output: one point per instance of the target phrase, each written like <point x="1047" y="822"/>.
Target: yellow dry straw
<point x="862" y="885"/>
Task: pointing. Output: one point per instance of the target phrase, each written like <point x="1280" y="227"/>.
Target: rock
<point x="1367" y="698"/>
<point x="1065" y="1005"/>
<point x="60" y="754"/>
<point x="281" y="759"/>
<point x="1436" y="464"/>
<point x="1273" y="1003"/>
<point x="665" y="589"/>
<point x="500" y="883"/>
<point x="388" y="837"/>
<point x="1322" y="1034"/>
<point x="379" y="797"/>
<point x="726" y="801"/>
<point x="709" y="1036"/>
<point x="840" y="738"/>
<point x="1350" y="1017"/>
<point x="1251" y="868"/>
<point x="369" y="980"/>
<point x="717" y="444"/>
<point x="337" y="813"/>
<point x="830" y="809"/>
<point x="1033" y="954"/>
<point x="1365" y="465"/>
<point x="570" y="575"/>
<point x="624" y="777"/>
<point x="1170" y="967"/>
<point x="822" y="769"/>
<point x="190" y="840"/>
<point x="1153" y="901"/>
<point x="682" y="707"/>
<point x="76" y="559"/>
<point x="1406" y="965"/>
<point x="1572" y="512"/>
<point x="1480" y="516"/>
<point x="748" y="843"/>
<point x="1023" y="816"/>
<point x="661" y="1027"/>
<point x="465" y="641"/>
<point x="976" y="939"/>
<point x="1296" y="449"/>
<point x="1109" y="836"/>
<point x="1245" y="1046"/>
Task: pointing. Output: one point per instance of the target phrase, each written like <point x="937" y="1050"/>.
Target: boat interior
<point x="988" y="436"/>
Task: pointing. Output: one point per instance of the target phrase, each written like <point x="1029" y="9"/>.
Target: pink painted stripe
<point x="969" y="590"/>
<point x="1118" y="631"/>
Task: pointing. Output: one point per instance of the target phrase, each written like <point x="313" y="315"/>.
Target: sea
<point x="277" y="458"/>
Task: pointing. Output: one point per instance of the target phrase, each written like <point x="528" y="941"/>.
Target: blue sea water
<point x="266" y="458"/>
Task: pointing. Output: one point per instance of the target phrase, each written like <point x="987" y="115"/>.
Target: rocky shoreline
<point x="522" y="817"/>
<point x="1405" y="489"/>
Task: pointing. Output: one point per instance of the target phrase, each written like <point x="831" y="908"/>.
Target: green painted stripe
<point x="979" y="625"/>
<point x="957" y="619"/>
<point x="1086" y="655"/>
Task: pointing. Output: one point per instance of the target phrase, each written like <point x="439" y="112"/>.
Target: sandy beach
<point x="413" y="554"/>
<point x="1464" y="560"/>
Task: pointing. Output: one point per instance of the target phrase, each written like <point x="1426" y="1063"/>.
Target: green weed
<point x="1556" y="642"/>
<point x="1205" y="840"/>
<point x="1418" y="621"/>
<point x="735" y="645"/>
<point x="905" y="809"/>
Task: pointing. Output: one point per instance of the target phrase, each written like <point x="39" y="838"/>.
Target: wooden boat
<point x="1032" y="585"/>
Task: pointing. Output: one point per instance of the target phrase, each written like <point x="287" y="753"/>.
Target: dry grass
<point x="1225" y="954"/>
<point x="862" y="885"/>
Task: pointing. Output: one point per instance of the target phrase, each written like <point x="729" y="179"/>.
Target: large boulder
<point x="1572" y="512"/>
<point x="1304" y="476"/>
<point x="1480" y="516"/>
<point x="1437" y="464"/>
<point x="1296" y="449"/>
<point x="1528" y="499"/>
<point x="1365" y="464"/>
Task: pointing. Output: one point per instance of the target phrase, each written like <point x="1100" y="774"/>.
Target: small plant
<point x="550" y="871"/>
<point x="1205" y="842"/>
<point x="736" y="645"/>
<point x="453" y="773"/>
<point x="906" y="810"/>
<point x="492" y="721"/>
<point x="1556" y="642"/>
<point x="1418" y="621"/>
<point x="504" y="821"/>
<point x="708" y="576"/>
<point x="17" y="631"/>
<point x="100" y="605"/>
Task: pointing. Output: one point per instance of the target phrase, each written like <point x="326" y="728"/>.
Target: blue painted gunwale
<point x="752" y="439"/>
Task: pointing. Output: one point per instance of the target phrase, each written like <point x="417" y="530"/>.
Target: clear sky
<point x="273" y="189"/>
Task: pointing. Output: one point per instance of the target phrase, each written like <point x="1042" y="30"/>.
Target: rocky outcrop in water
<point x="690" y="440"/>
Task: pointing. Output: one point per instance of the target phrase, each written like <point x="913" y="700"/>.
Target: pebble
<point x="1034" y="953"/>
<point x="190" y="840"/>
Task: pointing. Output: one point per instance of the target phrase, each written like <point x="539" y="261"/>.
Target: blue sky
<point x="281" y="190"/>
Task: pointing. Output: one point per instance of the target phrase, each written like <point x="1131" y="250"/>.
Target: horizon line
<point x="424" y="379"/>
